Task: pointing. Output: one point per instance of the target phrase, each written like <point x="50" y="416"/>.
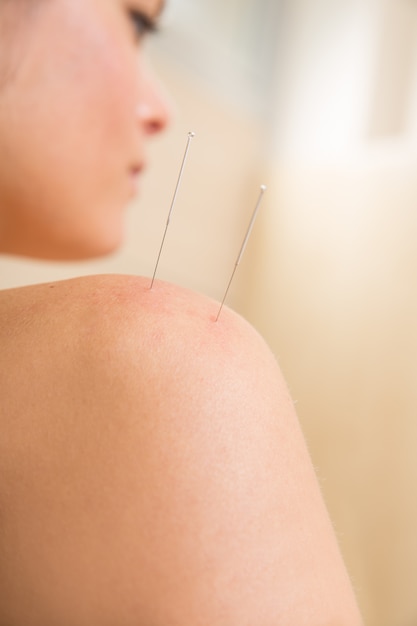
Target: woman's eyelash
<point x="143" y="23"/>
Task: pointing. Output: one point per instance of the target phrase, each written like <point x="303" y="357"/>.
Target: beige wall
<point x="332" y="276"/>
<point x="333" y="289"/>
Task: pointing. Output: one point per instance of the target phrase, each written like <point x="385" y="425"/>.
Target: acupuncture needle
<point x="191" y="135"/>
<point x="242" y="249"/>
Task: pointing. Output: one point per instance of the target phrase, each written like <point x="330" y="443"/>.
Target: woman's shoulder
<point x="81" y="335"/>
<point x="109" y="350"/>
<point x="114" y="298"/>
<point x="110" y="309"/>
<point x="133" y="413"/>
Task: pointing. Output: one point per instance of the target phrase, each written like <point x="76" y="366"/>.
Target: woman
<point x="152" y="470"/>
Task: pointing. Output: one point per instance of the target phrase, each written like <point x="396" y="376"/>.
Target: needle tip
<point x="191" y="135"/>
<point x="263" y="187"/>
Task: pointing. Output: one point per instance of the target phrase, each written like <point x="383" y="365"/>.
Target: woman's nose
<point x="154" y="108"/>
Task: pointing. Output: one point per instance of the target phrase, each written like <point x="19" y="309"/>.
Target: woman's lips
<point x="135" y="172"/>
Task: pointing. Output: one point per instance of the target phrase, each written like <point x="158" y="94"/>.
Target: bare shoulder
<point x="156" y="456"/>
<point x="98" y="305"/>
<point x="109" y="330"/>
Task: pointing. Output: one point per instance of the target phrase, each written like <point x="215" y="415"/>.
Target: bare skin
<point x="75" y="118"/>
<point x="152" y="470"/>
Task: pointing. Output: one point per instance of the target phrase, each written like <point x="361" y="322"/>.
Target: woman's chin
<point x="67" y="250"/>
<point x="89" y="250"/>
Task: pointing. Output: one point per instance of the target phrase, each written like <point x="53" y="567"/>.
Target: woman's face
<point x="75" y="114"/>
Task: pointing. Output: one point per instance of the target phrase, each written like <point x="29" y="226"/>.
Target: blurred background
<point x="318" y="100"/>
